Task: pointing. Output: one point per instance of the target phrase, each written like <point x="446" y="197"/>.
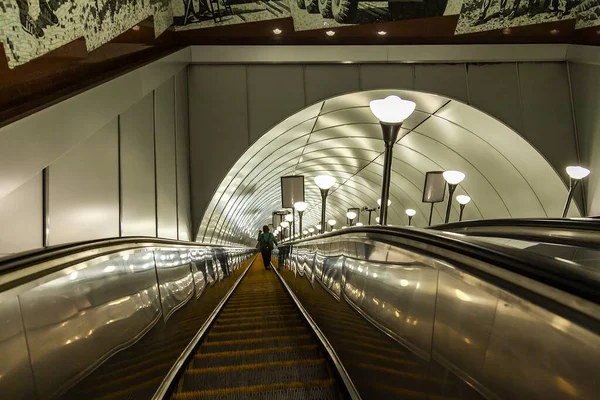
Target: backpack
<point x="265" y="242"/>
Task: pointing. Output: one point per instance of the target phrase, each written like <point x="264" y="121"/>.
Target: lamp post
<point x="411" y="213"/>
<point x="331" y="223"/>
<point x="304" y="234"/>
<point x="351" y="215"/>
<point x="290" y="219"/>
<point x="311" y="230"/>
<point x="324" y="182"/>
<point x="463" y="201"/>
<point x="284" y="225"/>
<point x="377" y="220"/>
<point x="576" y="174"/>
<point x="453" y="178"/>
<point x="318" y="227"/>
<point x="300" y="206"/>
<point x="391" y="112"/>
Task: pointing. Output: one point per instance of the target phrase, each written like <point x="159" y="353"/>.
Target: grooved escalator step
<point x="254" y="356"/>
<point x="323" y="389"/>
<point x="259" y="323"/>
<point x="254" y="343"/>
<point x="220" y="336"/>
<point x="263" y="374"/>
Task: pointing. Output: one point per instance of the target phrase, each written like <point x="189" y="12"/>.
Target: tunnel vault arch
<point x="505" y="175"/>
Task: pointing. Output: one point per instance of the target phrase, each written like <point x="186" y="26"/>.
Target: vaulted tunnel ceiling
<point x="505" y="176"/>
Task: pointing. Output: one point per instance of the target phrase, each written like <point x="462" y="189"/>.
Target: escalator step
<point x="261" y="374"/>
<point x="316" y="389"/>
<point x="297" y="320"/>
<point x="246" y="344"/>
<point x="226" y="335"/>
<point x="254" y="356"/>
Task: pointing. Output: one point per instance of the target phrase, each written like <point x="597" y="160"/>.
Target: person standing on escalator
<point x="266" y="243"/>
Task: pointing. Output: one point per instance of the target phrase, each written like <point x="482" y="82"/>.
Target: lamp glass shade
<point x="462" y="199"/>
<point x="325" y="181"/>
<point x="379" y="202"/>
<point x="311" y="230"/>
<point x="289" y="217"/>
<point x="410" y="212"/>
<point x="578" y="172"/>
<point x="377" y="219"/>
<point x="318" y="227"/>
<point x="344" y="227"/>
<point x="392" y="109"/>
<point x="300" y="206"/>
<point x="305" y="232"/>
<point x="351" y="214"/>
<point x="453" y="177"/>
<point x="359" y="224"/>
<point x="332" y="222"/>
<point x="285" y="224"/>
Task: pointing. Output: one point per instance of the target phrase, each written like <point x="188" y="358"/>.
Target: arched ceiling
<point x="505" y="176"/>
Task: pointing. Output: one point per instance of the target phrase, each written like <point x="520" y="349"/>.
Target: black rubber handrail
<point x="568" y="277"/>
<point x="588" y="224"/>
<point x="38" y="256"/>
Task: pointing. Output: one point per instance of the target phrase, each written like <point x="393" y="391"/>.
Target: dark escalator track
<point x="259" y="347"/>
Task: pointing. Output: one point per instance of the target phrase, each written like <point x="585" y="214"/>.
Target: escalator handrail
<point x="587" y="224"/>
<point x="555" y="273"/>
<point x="87" y="249"/>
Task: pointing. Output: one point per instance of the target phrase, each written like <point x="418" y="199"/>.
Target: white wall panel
<point x="218" y="128"/>
<point x="585" y="80"/>
<point x="166" y="174"/>
<point x="32" y="143"/>
<point x="325" y="81"/>
<point x="393" y="76"/>
<point x="274" y="93"/>
<point x="494" y="89"/>
<point x="21" y="216"/>
<point x="137" y="170"/>
<point x="547" y="115"/>
<point x="183" y="155"/>
<point x="84" y="190"/>
<point x="445" y="79"/>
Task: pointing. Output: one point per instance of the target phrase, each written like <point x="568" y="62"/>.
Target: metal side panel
<point x="534" y="354"/>
<point x="464" y="318"/>
<point x="16" y="376"/>
<point x="78" y="317"/>
<point x="175" y="280"/>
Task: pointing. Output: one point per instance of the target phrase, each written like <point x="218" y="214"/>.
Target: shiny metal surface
<point x="504" y="345"/>
<point x="16" y="376"/>
<point x="57" y="329"/>
<point x="87" y="312"/>
<point x="174" y="278"/>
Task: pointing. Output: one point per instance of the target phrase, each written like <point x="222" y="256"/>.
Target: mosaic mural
<point x="194" y="14"/>
<point x="32" y="28"/>
<point x="485" y="15"/>
<point x="319" y="14"/>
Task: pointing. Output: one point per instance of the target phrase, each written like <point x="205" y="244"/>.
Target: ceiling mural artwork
<point x="32" y="28"/>
<point x="487" y="15"/>
<point x="319" y="14"/>
<point x="505" y="176"/>
<point x="195" y="14"/>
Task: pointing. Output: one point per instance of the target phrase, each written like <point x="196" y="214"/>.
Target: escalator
<point x="260" y="346"/>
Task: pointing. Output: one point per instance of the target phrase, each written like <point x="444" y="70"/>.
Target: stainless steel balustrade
<point x="57" y="328"/>
<point x="501" y="342"/>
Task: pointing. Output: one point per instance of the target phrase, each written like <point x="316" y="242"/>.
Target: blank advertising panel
<point x="292" y="190"/>
<point x="435" y="187"/>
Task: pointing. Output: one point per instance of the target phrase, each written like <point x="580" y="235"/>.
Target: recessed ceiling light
<point x="382" y="33"/>
<point x="506" y="31"/>
<point x="277" y="31"/>
<point x="136" y="28"/>
<point x="554" y="32"/>
<point x="330" y="33"/>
